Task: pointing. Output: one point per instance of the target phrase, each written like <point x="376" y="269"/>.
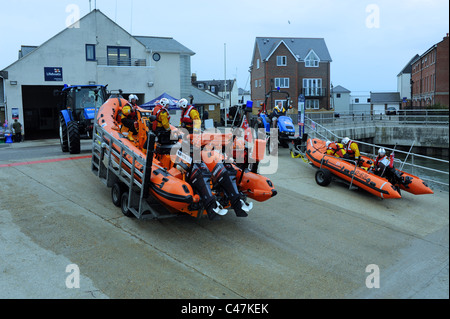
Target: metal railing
<point x="121" y="62"/>
<point x="401" y="117"/>
<point x="432" y="170"/>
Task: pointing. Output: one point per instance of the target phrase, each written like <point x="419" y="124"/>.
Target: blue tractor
<point x="284" y="124"/>
<point x="77" y="111"/>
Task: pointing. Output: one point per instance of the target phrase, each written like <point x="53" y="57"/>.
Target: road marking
<point x="45" y="161"/>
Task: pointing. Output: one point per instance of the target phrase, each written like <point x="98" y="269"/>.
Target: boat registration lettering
<point x="184" y="157"/>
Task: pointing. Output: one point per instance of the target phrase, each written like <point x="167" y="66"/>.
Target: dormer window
<point x="312" y="60"/>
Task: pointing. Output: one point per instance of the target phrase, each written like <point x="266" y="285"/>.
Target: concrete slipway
<point x="307" y="242"/>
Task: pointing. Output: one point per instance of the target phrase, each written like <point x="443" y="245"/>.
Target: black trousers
<point x="129" y="123"/>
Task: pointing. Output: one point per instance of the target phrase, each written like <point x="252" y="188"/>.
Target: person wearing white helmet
<point x="128" y="118"/>
<point x="161" y="125"/>
<point x="133" y="100"/>
<point x="382" y="163"/>
<point x="352" y="149"/>
<point x="190" y="118"/>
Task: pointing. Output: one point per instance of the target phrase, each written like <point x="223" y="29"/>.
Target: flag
<point x="391" y="158"/>
<point x="247" y="131"/>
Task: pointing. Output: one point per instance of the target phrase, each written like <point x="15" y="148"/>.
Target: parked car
<point x="391" y="110"/>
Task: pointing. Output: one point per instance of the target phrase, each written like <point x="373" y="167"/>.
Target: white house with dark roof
<point x="404" y="80"/>
<point x="340" y="99"/>
<point x="380" y="101"/>
<point x="93" y="50"/>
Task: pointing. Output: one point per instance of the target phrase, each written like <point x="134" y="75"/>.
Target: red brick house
<point x="296" y="65"/>
<point x="429" y="77"/>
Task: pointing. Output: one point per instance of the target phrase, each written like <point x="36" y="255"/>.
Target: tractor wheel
<point x="63" y="134"/>
<point x="73" y="137"/>
<point x="116" y="194"/>
<point x="323" y="177"/>
<point x="124" y="205"/>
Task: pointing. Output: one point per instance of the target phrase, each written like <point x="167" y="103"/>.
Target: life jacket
<point x="157" y="112"/>
<point x="185" y="117"/>
<point x="348" y="148"/>
<point x="385" y="161"/>
<point x="336" y="149"/>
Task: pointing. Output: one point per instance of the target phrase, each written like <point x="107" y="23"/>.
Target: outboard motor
<point x="224" y="175"/>
<point x="200" y="177"/>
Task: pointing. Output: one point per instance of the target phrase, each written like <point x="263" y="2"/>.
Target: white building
<point x="360" y="103"/>
<point x="340" y="99"/>
<point x="404" y="80"/>
<point x="380" y="101"/>
<point x="93" y="50"/>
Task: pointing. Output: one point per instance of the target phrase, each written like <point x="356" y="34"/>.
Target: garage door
<point x="40" y="109"/>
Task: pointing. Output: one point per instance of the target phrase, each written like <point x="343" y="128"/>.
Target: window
<point x="356" y="100"/>
<point x="256" y="83"/>
<point x="282" y="83"/>
<point x="338" y="95"/>
<point x="281" y="61"/>
<point x="257" y="63"/>
<point x="90" y="52"/>
<point x="201" y="86"/>
<point x="119" y="56"/>
<point x="312" y="60"/>
<point x="260" y="83"/>
<point x="312" y="104"/>
<point x="312" y="87"/>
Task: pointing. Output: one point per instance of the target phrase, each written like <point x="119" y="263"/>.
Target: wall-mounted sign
<point x="53" y="74"/>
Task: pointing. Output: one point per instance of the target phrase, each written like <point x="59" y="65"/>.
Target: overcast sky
<point x="369" y="41"/>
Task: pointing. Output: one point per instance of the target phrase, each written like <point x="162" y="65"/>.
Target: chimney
<point x="193" y="78"/>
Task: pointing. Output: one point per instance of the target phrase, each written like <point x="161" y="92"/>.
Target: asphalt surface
<point x="308" y="242"/>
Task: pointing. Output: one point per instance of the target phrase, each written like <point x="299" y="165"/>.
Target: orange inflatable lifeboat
<point x="197" y="188"/>
<point x="360" y="176"/>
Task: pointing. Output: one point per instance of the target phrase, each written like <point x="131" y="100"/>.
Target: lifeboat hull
<point x="380" y="187"/>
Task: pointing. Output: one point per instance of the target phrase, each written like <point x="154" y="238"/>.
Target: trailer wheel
<point x="63" y="134"/>
<point x="73" y="137"/>
<point x="323" y="177"/>
<point x="116" y="194"/>
<point x="124" y="205"/>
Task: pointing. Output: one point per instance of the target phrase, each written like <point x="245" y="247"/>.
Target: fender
<point x="285" y="124"/>
<point x="67" y="116"/>
<point x="265" y="122"/>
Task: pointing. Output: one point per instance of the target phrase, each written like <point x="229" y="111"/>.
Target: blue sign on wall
<point x="53" y="74"/>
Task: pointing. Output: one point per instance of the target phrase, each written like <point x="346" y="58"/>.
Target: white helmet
<point x="132" y="96"/>
<point x="327" y="143"/>
<point x="164" y="102"/>
<point x="183" y="103"/>
<point x="345" y="140"/>
<point x="381" y="152"/>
